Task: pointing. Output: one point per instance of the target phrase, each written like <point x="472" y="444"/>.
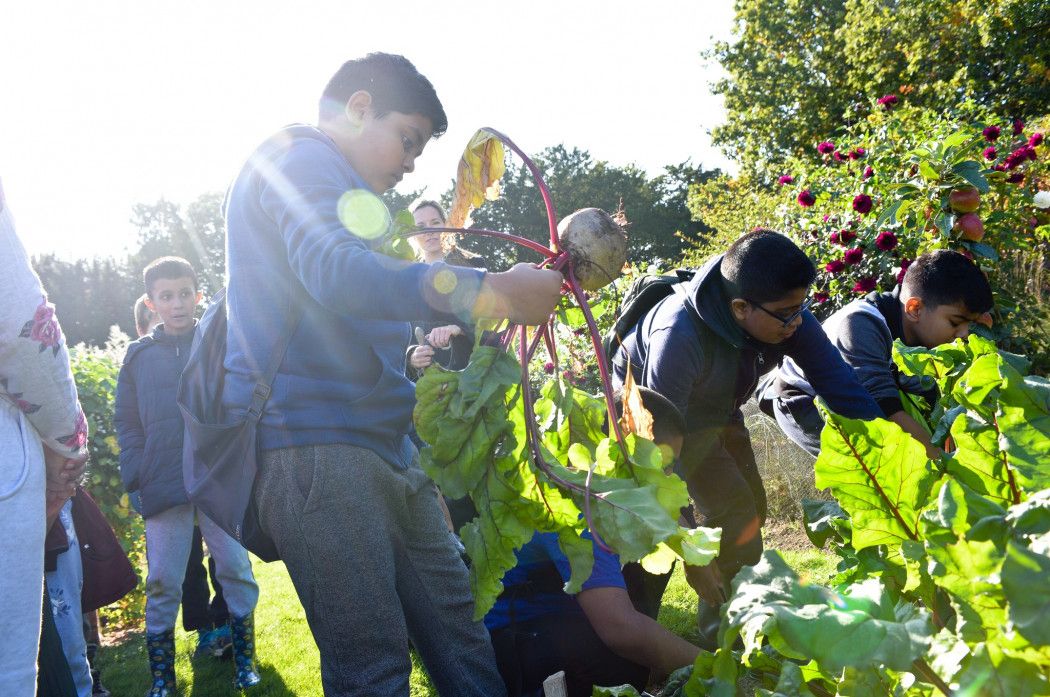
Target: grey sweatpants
<point x="372" y="561"/>
<point x="169" y="536"/>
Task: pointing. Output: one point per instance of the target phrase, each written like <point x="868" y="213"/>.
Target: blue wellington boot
<point x="243" y="630"/>
<point x="161" y="651"/>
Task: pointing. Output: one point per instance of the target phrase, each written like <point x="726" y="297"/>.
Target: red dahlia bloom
<point x="1036" y="139"/>
<point x="785" y="179"/>
<point x="991" y="133"/>
<point x="1015" y="178"/>
<point x="853" y="256"/>
<point x="847" y="236"/>
<point x="834" y="238"/>
<point x="1018" y="127"/>
<point x="806" y="199"/>
<point x="905" y="263"/>
<point x="835" y="266"/>
<point x="857" y="153"/>
<point x="886" y="241"/>
<point x="839" y="157"/>
<point x="864" y="285"/>
<point x="826" y="148"/>
<point x="862" y="203"/>
<point x="990" y="152"/>
<point x="821" y="297"/>
<point x="887" y="101"/>
<point x="868" y="172"/>
<point x="548" y="368"/>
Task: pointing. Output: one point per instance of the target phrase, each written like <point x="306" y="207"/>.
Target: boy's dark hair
<point x="393" y="82"/>
<point x="668" y="421"/>
<point x="167" y="267"/>
<point x="763" y="266"/>
<point x="142" y="315"/>
<point x="944" y="277"/>
<point x="427" y="203"/>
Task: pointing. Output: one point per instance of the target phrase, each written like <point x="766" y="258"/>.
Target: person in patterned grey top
<point x="43" y="448"/>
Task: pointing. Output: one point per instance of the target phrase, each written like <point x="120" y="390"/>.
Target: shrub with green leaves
<point x="902" y="181"/>
<point x="95" y="371"/>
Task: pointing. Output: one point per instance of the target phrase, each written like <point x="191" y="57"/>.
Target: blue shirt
<point x="543" y="549"/>
<point x="289" y="256"/>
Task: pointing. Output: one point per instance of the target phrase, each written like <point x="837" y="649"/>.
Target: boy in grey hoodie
<point x="942" y="293"/>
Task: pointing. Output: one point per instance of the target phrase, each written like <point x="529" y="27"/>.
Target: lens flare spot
<point x="364" y="214"/>
<point x="445" y="282"/>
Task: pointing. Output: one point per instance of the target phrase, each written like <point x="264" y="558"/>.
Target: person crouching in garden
<point x="150" y="432"/>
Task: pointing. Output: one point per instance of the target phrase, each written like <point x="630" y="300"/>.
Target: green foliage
<point x="196" y="232"/>
<point x="796" y="71"/>
<point x="546" y="467"/>
<point x="944" y="565"/>
<point x="917" y="158"/>
<point x="95" y="371"/>
<point x="93" y="295"/>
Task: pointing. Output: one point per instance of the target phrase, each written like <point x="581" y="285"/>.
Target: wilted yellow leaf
<point x="635" y="418"/>
<point x="477" y="176"/>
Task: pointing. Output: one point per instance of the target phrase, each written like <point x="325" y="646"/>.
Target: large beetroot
<point x="596" y="243"/>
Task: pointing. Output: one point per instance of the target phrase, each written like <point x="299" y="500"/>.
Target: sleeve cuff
<point x="890" y="405"/>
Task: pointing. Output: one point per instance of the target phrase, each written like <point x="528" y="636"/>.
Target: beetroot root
<point x="597" y="245"/>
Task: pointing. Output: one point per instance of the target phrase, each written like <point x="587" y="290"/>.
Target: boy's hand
<point x="440" y="337"/>
<point x="422" y="357"/>
<point x="524" y="294"/>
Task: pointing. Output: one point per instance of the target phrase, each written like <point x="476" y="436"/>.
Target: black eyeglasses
<point x="786" y="320"/>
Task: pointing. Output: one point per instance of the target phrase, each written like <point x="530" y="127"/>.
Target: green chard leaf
<point x="1026" y="585"/>
<point x="861" y="628"/>
<point x="992" y="673"/>
<point x="880" y="476"/>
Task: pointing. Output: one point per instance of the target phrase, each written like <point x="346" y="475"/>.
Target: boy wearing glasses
<point x="941" y="294"/>
<point x="706" y="349"/>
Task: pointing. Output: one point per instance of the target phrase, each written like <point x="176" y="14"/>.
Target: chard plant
<point x="943" y="585"/>
<point x="532" y="451"/>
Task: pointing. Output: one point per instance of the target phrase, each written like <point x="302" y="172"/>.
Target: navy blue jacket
<point x="708" y="377"/>
<point x="342" y="379"/>
<point x="148" y="421"/>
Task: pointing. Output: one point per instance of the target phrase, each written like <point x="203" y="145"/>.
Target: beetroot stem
<point x="603" y="365"/>
<point x="552" y="217"/>
<point x="516" y="239"/>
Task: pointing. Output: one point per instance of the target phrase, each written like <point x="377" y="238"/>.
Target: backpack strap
<point x="262" y="390"/>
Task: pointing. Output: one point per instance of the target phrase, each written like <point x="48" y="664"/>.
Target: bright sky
<point x="115" y="102"/>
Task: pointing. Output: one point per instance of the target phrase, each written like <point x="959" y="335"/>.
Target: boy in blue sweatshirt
<point x="150" y="432"/>
<point x="706" y="349"/>
<point x="942" y="293"/>
<point x="339" y="489"/>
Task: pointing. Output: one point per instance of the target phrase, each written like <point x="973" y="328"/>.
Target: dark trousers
<point x="728" y="493"/>
<point x="197" y="612"/>
<point x="374" y="566"/>
<point x="529" y="652"/>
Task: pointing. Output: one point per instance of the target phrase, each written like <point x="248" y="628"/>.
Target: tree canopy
<point x="802" y="69"/>
<point x="656" y="207"/>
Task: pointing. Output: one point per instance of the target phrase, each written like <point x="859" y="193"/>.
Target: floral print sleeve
<point x="35" y="375"/>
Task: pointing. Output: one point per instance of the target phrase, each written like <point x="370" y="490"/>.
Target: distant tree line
<point x="91" y="295"/>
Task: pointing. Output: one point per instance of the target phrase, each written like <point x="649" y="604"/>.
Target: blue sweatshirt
<point x="342" y="378"/>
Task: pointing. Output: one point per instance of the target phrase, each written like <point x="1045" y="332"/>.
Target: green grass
<point x="287" y="656"/>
